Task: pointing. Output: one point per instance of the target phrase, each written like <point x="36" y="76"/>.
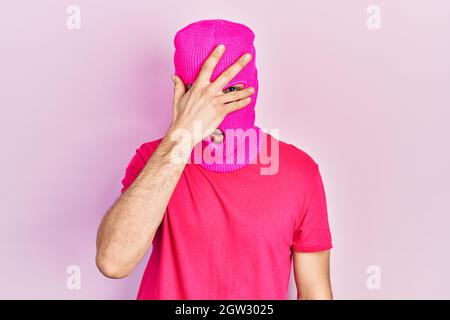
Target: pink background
<point x="371" y="106"/>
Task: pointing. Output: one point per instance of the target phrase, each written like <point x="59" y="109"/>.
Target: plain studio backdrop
<point x="370" y="105"/>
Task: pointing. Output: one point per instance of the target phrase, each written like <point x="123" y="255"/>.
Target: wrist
<point x="180" y="137"/>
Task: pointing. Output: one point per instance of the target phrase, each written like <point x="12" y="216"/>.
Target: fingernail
<point x="247" y="56"/>
<point x="250" y="89"/>
<point x="220" y="48"/>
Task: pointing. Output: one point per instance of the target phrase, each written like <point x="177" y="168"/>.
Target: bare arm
<point x="128" y="228"/>
<point x="312" y="275"/>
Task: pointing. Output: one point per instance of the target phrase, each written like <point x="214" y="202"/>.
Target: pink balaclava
<point x="193" y="44"/>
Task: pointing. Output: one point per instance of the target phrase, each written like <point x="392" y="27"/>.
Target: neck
<point x="238" y="149"/>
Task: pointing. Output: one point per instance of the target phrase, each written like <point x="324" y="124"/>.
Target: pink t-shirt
<point x="231" y="235"/>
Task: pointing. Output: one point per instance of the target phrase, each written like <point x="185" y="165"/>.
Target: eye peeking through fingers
<point x="235" y="87"/>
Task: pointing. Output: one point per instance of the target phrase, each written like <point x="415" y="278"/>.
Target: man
<point x="220" y="229"/>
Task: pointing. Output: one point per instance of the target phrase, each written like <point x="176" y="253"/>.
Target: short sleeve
<point x="138" y="162"/>
<point x="312" y="232"/>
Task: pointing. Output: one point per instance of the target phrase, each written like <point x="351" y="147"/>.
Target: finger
<point x="236" y="95"/>
<point x="234" y="106"/>
<point x="232" y="71"/>
<point x="178" y="89"/>
<point x="178" y="92"/>
<point x="208" y="66"/>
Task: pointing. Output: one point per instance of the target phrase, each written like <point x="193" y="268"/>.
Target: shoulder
<point x="138" y="161"/>
<point x="142" y="154"/>
<point x="297" y="169"/>
<point x="293" y="160"/>
<point x="147" y="148"/>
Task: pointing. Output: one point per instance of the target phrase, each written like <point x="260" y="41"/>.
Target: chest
<point x="243" y="207"/>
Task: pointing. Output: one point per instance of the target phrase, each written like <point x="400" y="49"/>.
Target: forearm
<point x="128" y="228"/>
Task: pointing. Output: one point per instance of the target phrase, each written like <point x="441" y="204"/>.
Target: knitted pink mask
<point x="193" y="44"/>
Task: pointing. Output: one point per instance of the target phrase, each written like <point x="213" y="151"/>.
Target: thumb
<point x="178" y="89"/>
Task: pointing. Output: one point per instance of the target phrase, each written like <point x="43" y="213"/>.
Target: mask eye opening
<point x="235" y="83"/>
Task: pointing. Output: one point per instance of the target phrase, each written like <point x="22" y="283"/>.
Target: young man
<point x="220" y="228"/>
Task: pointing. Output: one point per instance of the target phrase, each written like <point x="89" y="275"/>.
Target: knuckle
<point x="245" y="101"/>
<point x="241" y="94"/>
<point x="216" y="106"/>
<point x="198" y="88"/>
<point x="210" y="90"/>
<point x="195" y="92"/>
<point x="207" y="64"/>
<point x="235" y="96"/>
<point x="227" y="73"/>
<point x="236" y="68"/>
<point x="242" y="62"/>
